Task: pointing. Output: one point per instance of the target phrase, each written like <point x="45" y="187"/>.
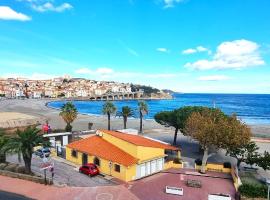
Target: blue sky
<point x="185" y="45"/>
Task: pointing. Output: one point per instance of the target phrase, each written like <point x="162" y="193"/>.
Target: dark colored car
<point x="43" y="152"/>
<point x="89" y="169"/>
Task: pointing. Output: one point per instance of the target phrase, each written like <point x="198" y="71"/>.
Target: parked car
<point x="43" y="152"/>
<point x="89" y="169"/>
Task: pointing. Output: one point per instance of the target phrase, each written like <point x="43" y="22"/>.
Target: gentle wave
<point x="251" y="108"/>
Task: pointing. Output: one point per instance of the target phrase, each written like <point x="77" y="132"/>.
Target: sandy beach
<point x="37" y="108"/>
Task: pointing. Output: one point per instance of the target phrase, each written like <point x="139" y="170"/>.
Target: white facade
<point x="19" y="93"/>
<point x="37" y="95"/>
<point x="150" y="167"/>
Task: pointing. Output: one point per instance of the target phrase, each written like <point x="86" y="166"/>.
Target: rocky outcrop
<point x="159" y="95"/>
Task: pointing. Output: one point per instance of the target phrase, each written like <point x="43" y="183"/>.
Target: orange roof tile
<point x="139" y="140"/>
<point x="99" y="147"/>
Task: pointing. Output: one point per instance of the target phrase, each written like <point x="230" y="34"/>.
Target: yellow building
<point x="121" y="155"/>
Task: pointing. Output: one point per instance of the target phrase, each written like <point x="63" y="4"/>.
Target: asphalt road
<point x="12" y="196"/>
<point x="64" y="173"/>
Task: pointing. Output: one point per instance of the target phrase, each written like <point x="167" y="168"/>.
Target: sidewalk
<point x="42" y="192"/>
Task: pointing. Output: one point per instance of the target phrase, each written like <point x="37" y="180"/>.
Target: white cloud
<point x="83" y="71"/>
<point x="104" y="72"/>
<point x="189" y="51"/>
<point x="7" y="13"/>
<point x="48" y="6"/>
<point x="213" y="78"/>
<point x="196" y="50"/>
<point x="99" y="71"/>
<point x="171" y="3"/>
<point x="164" y="50"/>
<point x="132" y="52"/>
<point x="127" y="48"/>
<point x="237" y="54"/>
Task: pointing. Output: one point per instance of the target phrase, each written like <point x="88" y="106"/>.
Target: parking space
<point x="153" y="187"/>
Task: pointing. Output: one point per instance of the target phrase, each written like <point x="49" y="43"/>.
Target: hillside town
<point x="66" y="87"/>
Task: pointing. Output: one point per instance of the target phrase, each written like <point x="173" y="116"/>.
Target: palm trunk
<point x="204" y="160"/>
<point x="175" y="136"/>
<point x="125" y="122"/>
<point x="141" y="117"/>
<point x="2" y="157"/>
<point x="27" y="163"/>
<point x="109" y="121"/>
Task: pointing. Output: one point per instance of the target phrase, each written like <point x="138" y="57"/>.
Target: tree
<point x="125" y="113"/>
<point x="169" y="118"/>
<point x="69" y="113"/>
<point x="143" y="109"/>
<point x="109" y="109"/>
<point x="245" y="152"/>
<point x="23" y="144"/>
<point x="212" y="128"/>
<point x="264" y="161"/>
<point x="177" y="118"/>
<point x="3" y="146"/>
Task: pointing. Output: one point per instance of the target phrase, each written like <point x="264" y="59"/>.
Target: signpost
<point x="268" y="192"/>
<point x="47" y="165"/>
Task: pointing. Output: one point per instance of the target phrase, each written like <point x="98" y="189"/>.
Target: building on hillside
<point x="121" y="155"/>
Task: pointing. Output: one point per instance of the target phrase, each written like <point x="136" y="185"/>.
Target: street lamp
<point x="268" y="192"/>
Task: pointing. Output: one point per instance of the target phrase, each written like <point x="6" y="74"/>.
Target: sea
<point x="250" y="108"/>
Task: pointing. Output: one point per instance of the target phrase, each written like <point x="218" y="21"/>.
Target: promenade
<point x="42" y="192"/>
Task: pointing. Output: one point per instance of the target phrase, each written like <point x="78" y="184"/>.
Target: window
<point x="117" y="168"/>
<point x="96" y="161"/>
<point x="74" y="153"/>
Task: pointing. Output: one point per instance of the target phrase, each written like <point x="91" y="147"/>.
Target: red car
<point x="89" y="169"/>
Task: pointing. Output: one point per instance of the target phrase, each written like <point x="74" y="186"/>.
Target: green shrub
<point x="20" y="169"/>
<point x="253" y="190"/>
<point x="11" y="167"/>
<point x="3" y="165"/>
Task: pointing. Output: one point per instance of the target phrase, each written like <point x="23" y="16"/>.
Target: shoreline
<point x="40" y="108"/>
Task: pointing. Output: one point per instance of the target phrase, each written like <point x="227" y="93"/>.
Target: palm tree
<point x="143" y="109"/>
<point x="69" y="113"/>
<point x="23" y="144"/>
<point x="125" y="113"/>
<point x="3" y="146"/>
<point x="109" y="109"/>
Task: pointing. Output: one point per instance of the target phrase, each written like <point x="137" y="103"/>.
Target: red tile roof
<point x="99" y="147"/>
<point x="139" y="140"/>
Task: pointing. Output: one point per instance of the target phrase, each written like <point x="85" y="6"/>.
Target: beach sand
<point x="36" y="108"/>
<point x="15" y="119"/>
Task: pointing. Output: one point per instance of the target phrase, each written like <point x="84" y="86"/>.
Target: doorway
<point x="84" y="159"/>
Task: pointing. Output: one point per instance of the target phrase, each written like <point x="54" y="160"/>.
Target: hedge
<point x="253" y="190"/>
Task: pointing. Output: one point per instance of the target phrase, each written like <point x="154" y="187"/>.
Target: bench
<point x="174" y="190"/>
